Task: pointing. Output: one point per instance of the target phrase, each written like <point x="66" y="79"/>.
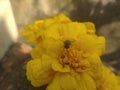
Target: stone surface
<point x="28" y="11"/>
<point x="98" y="11"/>
<point x="112" y="34"/>
<point x="8" y="30"/>
<point x="18" y="52"/>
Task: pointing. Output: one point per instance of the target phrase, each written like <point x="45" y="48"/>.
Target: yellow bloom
<point x="66" y="56"/>
<point x="107" y="80"/>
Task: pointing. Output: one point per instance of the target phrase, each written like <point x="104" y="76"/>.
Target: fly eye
<point x="67" y="44"/>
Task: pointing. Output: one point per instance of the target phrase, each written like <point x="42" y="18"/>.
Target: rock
<point x="98" y="11"/>
<point x="8" y="30"/>
<point x="17" y="53"/>
<point x="28" y="11"/>
<point x="112" y="34"/>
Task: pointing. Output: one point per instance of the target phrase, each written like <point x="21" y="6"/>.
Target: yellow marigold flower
<point x="66" y="56"/>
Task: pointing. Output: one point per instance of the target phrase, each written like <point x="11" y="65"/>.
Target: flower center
<point x="74" y="58"/>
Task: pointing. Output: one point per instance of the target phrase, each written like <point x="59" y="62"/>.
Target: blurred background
<point x="16" y="14"/>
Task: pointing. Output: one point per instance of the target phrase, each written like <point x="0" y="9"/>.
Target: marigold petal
<point x="72" y="31"/>
<point x="49" y="47"/>
<point x="63" y="81"/>
<point x="92" y="44"/>
<point x="94" y="60"/>
<point x="90" y="27"/>
<point x="33" y="33"/>
<point x="108" y="80"/>
<point x="85" y="81"/>
<point x="61" y="18"/>
<point x="56" y="66"/>
<point x="39" y="71"/>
